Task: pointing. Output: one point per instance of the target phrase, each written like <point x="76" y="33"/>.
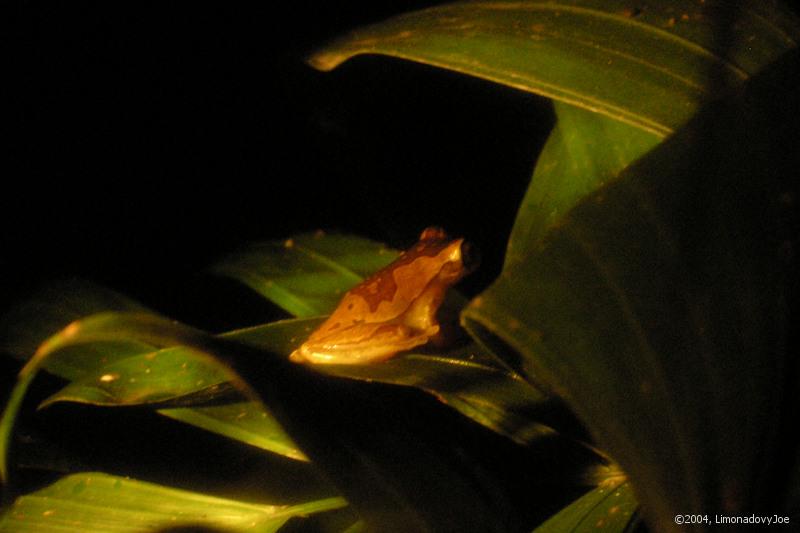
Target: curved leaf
<point x="52" y="308"/>
<point x="247" y="422"/>
<point x="466" y="379"/>
<point x="648" y="66"/>
<point x="584" y="151"/>
<point x="152" y="378"/>
<point x="143" y="328"/>
<point x="101" y="502"/>
<point x="307" y="274"/>
<point x="655" y="307"/>
<point x="608" y="508"/>
<point x="125" y="372"/>
<point x="403" y="461"/>
<point x="485" y="393"/>
<point x="174" y="375"/>
<point x="327" y="416"/>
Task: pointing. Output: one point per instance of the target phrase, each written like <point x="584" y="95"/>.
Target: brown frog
<point x="394" y="310"/>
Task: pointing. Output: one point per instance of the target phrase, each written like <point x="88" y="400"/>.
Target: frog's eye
<point x="433" y="233"/>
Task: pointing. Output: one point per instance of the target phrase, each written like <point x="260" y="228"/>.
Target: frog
<point x="395" y="309"/>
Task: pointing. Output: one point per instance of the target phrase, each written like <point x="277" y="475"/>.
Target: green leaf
<point x="101" y="502"/>
<point x="153" y="378"/>
<point x="131" y="372"/>
<point x="143" y="328"/>
<point x="247" y="422"/>
<point x="345" y="428"/>
<point x="656" y="306"/>
<point x="647" y="65"/>
<point x="485" y="393"/>
<point x="402" y="460"/>
<point x="307" y="274"/>
<point x="467" y="379"/>
<point x="607" y="508"/>
<point x="419" y="482"/>
<point x="175" y="375"/>
<point x="584" y="151"/>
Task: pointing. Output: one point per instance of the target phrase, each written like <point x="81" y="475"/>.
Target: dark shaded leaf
<point x="656" y="306"/>
<point x="53" y="307"/>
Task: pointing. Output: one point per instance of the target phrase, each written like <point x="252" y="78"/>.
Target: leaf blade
<point x="648" y="69"/>
<point x="584" y="151"/>
<point x="248" y="422"/>
<point x="661" y="294"/>
<point x="140" y="327"/>
<point x="307" y="274"/>
<point x="101" y="502"/>
<point x="609" y="507"/>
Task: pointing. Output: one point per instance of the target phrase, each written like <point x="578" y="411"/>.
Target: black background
<point x="153" y="137"/>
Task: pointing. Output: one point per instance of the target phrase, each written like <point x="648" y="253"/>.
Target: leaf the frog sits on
<point x="395" y="309"/>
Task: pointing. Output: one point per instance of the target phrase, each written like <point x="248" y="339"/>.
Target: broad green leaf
<point x="584" y="151"/>
<point x="247" y="422"/>
<point x="647" y="65"/>
<point x="143" y="328"/>
<point x="176" y="375"/>
<point x="152" y="378"/>
<point x="655" y="306"/>
<point x="607" y="508"/>
<point x="416" y="483"/>
<point x="425" y="479"/>
<point x="466" y="379"/>
<point x="94" y="368"/>
<point x="94" y="502"/>
<point x="306" y="275"/>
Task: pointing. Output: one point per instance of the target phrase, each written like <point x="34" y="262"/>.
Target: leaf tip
<point x="326" y="60"/>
